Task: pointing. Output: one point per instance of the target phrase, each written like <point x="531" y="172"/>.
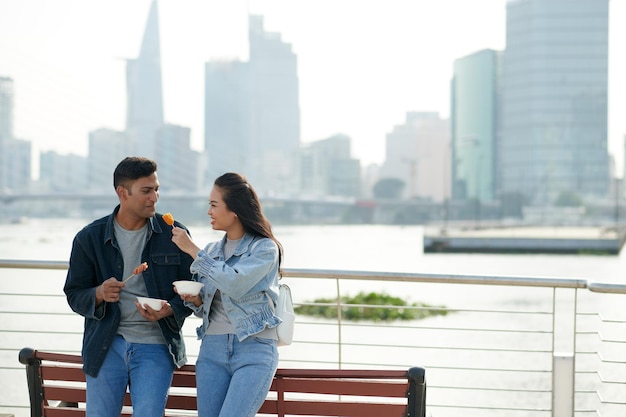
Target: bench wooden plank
<point x="184" y="379"/>
<point x="61" y="373"/>
<point x="72" y="412"/>
<point x="340" y="373"/>
<point x="67" y="394"/>
<point x="341" y="386"/>
<point x="343" y="409"/>
<point x="182" y="402"/>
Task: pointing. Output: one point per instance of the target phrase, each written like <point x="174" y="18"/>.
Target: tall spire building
<point x="554" y="108"/>
<point x="144" y="89"/>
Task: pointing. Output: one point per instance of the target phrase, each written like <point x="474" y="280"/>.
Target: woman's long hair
<point x="241" y="199"/>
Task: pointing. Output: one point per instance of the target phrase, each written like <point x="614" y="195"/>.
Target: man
<point x="126" y="344"/>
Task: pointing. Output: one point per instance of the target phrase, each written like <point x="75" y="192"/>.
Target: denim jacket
<point x="96" y="257"/>
<point x="245" y="280"/>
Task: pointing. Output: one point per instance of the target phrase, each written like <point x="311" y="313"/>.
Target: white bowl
<point x="188" y="287"/>
<point x="154" y="303"/>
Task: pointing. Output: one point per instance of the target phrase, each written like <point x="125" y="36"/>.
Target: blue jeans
<point x="232" y="377"/>
<point x="146" y="369"/>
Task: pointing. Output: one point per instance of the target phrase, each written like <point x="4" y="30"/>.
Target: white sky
<point x="361" y="64"/>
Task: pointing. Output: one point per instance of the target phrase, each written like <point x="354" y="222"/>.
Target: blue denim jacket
<point x="245" y="280"/>
<point x="96" y="257"/>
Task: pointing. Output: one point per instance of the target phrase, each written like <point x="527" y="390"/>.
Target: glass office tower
<point x="474" y="125"/>
<point x="252" y="113"/>
<point x="554" y="109"/>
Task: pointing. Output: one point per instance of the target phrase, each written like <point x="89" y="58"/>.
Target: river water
<point x="337" y="247"/>
<point x="349" y="247"/>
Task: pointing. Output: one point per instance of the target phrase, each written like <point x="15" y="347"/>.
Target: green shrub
<point x="361" y="310"/>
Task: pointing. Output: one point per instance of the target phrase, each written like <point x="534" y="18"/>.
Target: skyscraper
<point x="417" y="152"/>
<point x="107" y="148"/>
<point x="144" y="89"/>
<point x="275" y="109"/>
<point x="474" y="125"/>
<point x="178" y="164"/>
<point x="6" y="108"/>
<point x="554" y="112"/>
<point x="17" y="164"/>
<point x="226" y="119"/>
<point x="328" y="169"/>
<point x="6" y="126"/>
<point x="15" y="154"/>
<point x="63" y="173"/>
<point x="252" y="113"/>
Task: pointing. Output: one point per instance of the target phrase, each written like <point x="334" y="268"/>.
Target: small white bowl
<point x="154" y="303"/>
<point x="188" y="287"/>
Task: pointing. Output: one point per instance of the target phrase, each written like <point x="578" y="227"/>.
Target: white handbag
<point x="284" y="310"/>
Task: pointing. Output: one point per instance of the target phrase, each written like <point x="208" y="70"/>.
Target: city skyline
<point x="342" y="89"/>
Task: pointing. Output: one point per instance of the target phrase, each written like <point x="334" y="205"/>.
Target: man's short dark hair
<point x="132" y="168"/>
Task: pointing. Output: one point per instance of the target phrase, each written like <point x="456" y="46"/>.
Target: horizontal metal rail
<point x="547" y="282"/>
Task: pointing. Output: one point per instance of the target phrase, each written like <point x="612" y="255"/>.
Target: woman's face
<point x="221" y="217"/>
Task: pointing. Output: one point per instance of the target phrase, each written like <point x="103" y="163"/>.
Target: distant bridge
<point x="7" y="198"/>
<point x="194" y="206"/>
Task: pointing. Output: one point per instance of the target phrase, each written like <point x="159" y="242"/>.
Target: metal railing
<point x="500" y="346"/>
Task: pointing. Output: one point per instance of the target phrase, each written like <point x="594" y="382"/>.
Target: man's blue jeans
<point x="232" y="377"/>
<point x="146" y="369"/>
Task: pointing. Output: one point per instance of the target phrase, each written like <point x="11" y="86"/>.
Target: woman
<point x="238" y="355"/>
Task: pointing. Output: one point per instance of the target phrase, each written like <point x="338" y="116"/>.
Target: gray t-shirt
<point x="133" y="326"/>
<point x="219" y="322"/>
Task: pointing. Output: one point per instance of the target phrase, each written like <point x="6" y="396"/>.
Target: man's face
<point x="140" y="200"/>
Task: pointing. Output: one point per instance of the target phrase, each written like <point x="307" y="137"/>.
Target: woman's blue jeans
<point x="232" y="377"/>
<point x="146" y="369"/>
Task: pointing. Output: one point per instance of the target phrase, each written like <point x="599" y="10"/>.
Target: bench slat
<point x="343" y="409"/>
<point x="341" y="387"/>
<point x="71" y="412"/>
<point x="63" y="412"/>
<point x="182" y="402"/>
<point x="184" y="378"/>
<point x="341" y="373"/>
<point x="67" y="394"/>
<point x="61" y="373"/>
<point x="58" y="357"/>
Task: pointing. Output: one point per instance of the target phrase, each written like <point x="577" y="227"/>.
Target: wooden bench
<point x="56" y="386"/>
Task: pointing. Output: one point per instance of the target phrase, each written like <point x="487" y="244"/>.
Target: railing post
<point x="563" y="385"/>
<point x="339" y="324"/>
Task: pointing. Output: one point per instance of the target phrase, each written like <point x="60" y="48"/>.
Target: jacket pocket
<point x="166" y="259"/>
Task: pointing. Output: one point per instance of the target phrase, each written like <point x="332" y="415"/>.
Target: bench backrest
<point x="56" y="387"/>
